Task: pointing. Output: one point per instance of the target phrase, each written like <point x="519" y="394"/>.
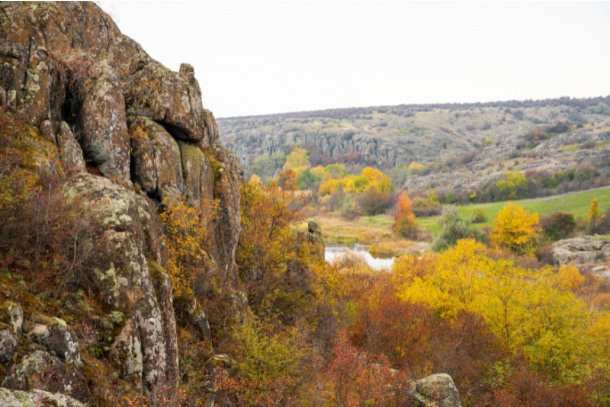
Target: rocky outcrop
<point x="70" y="151"/>
<point x="131" y="135"/>
<point x="101" y="121"/>
<point x="588" y="253"/>
<point x="314" y="233"/>
<point x="36" y="398"/>
<point x="437" y="390"/>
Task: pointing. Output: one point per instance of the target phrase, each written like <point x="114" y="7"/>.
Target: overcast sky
<point x="270" y="57"/>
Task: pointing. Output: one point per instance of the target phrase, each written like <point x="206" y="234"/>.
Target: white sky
<point x="271" y="57"/>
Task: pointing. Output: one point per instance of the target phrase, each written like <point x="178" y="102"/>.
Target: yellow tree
<point x="378" y="179"/>
<point x="594" y="209"/>
<point x="297" y="160"/>
<point x="516" y="228"/>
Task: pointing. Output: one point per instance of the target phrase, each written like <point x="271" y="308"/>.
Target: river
<point x="332" y="252"/>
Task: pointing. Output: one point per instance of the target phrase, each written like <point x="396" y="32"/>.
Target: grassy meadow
<point x="377" y="229"/>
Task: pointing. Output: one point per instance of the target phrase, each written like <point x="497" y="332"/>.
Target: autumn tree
<point x="593" y="209"/>
<point x="297" y="159"/>
<point x="513" y="184"/>
<point x="405" y="222"/>
<point x="516" y="229"/>
<point x="273" y="261"/>
<point x="188" y="238"/>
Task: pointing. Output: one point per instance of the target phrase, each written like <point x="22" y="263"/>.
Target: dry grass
<point x="365" y="230"/>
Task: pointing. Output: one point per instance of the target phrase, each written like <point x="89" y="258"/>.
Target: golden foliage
<point x="516" y="229"/>
<point x="188" y="234"/>
<point x="593" y="209"/>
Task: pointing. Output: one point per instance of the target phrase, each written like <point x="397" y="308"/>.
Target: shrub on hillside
<point x="558" y="225"/>
<point x="349" y="209"/>
<point x="453" y="228"/>
<point x="477" y="216"/>
<point x="601" y="224"/>
<point x="426" y="207"/>
<point x="373" y="202"/>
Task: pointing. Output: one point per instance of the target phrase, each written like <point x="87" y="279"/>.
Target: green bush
<point x="477" y="215"/>
<point x="453" y="228"/>
<point x="558" y="225"/>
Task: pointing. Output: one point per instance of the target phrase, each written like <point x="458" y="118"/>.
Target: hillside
<point x="462" y="146"/>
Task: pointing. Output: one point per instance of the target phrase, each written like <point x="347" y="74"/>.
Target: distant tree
<point x="255" y="179"/>
<point x="405" y="222"/>
<point x="297" y="159"/>
<point x="373" y="202"/>
<point x="593" y="209"/>
<point x="349" y="210"/>
<point x="513" y="184"/>
<point x="287" y="180"/>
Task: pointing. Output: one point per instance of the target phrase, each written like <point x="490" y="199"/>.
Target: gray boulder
<point x="36" y="398"/>
<point x="437" y="390"/>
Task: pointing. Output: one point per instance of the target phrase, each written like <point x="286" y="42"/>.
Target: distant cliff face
<point x="127" y="134"/>
<point x="392" y="136"/>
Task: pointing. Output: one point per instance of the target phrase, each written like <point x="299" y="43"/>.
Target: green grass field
<point x="369" y="229"/>
<point x="576" y="203"/>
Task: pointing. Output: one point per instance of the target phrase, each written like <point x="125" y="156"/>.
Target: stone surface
<point x="164" y="96"/>
<point x="228" y="176"/>
<point x="36" y="398"/>
<point x="588" y="253"/>
<point x="12" y="315"/>
<point x="122" y="273"/>
<point x="41" y="370"/>
<point x="437" y="390"/>
<point x="59" y="338"/>
<point x="70" y="151"/>
<point x="102" y="123"/>
<point x="8" y="346"/>
<point x="124" y="119"/>
<point x="314" y="233"/>
<point x="157" y="161"/>
<point x="197" y="173"/>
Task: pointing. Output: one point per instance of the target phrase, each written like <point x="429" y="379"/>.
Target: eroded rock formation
<point x="131" y="136"/>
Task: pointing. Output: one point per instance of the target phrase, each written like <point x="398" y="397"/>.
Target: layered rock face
<point x="132" y="135"/>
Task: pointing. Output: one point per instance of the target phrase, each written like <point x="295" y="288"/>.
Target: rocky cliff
<point x="125" y="136"/>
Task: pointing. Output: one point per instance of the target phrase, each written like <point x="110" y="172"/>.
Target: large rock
<point x="59" y="338"/>
<point x="437" y="390"/>
<point x="157" y="161"/>
<point x="228" y="176"/>
<point x="41" y="370"/>
<point x="131" y="120"/>
<point x="154" y="91"/>
<point x="70" y="151"/>
<point x="121" y="274"/>
<point x="197" y="173"/>
<point x="102" y="123"/>
<point x="8" y="346"/>
<point x="588" y="253"/>
<point x="36" y="398"/>
<point x="314" y="233"/>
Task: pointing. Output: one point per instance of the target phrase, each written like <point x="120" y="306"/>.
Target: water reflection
<point x="333" y="252"/>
